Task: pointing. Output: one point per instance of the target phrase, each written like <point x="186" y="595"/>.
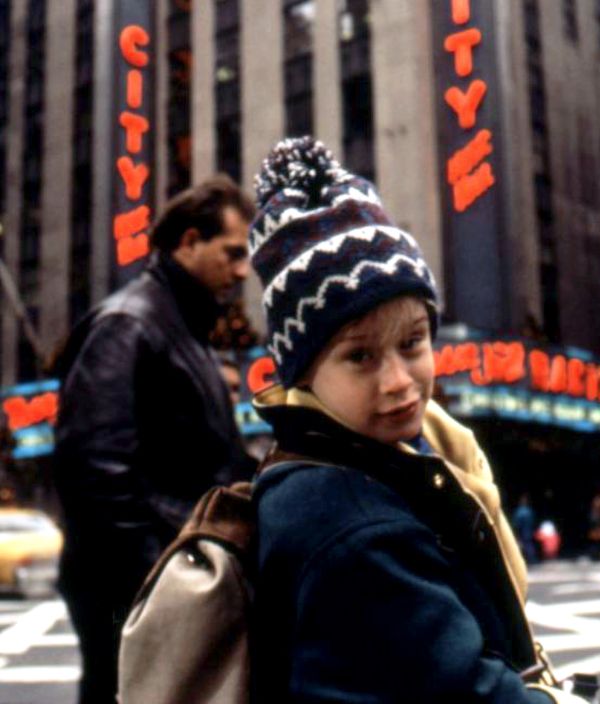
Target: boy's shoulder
<point x="300" y="506"/>
<point x="321" y="487"/>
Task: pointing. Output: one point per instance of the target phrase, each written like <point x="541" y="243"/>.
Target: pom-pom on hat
<point x="326" y="252"/>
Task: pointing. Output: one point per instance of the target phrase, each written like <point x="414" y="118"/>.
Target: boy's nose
<point x="395" y="378"/>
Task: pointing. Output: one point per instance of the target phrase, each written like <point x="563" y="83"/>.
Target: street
<point x="39" y="662"/>
<point x="564" y="611"/>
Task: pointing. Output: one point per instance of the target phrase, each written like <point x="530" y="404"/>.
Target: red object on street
<point x="549" y="539"/>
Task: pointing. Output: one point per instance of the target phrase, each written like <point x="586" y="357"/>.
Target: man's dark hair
<point x="200" y="207"/>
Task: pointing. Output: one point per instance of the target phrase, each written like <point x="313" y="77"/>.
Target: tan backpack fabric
<point x="173" y="650"/>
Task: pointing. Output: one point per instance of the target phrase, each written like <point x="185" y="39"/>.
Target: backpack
<point x="186" y="637"/>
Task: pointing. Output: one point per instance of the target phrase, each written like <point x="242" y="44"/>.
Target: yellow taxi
<point x="30" y="545"/>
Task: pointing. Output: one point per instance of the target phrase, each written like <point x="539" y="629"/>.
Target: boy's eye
<point x="359" y="356"/>
<point x="413" y="341"/>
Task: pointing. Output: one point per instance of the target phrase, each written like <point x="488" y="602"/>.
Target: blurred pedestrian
<point x="387" y="571"/>
<point x="146" y="423"/>
<point x="549" y="539"/>
<point x="230" y="369"/>
<point x="523" y="523"/>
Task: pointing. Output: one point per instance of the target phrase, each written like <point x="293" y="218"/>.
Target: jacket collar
<point x="278" y="405"/>
<point x="303" y="425"/>
<point x="197" y="305"/>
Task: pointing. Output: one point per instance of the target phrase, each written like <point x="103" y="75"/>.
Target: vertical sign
<point x="468" y="103"/>
<point x="133" y="136"/>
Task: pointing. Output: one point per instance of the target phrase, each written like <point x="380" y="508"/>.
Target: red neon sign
<point x="259" y="373"/>
<point x="467" y="172"/>
<point x="129" y="226"/>
<point x="22" y="412"/>
<point x="502" y="362"/>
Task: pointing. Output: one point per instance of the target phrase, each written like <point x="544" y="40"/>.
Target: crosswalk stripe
<point x="14" y="606"/>
<point x="8" y="618"/>
<point x="570" y="641"/>
<point x="52" y="640"/>
<point x="581" y="607"/>
<point x="549" y="577"/>
<point x="549" y="617"/>
<point x="40" y="674"/>
<point x="18" y="638"/>
<point x="586" y="666"/>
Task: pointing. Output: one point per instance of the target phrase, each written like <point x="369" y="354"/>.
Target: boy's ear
<point x="189" y="237"/>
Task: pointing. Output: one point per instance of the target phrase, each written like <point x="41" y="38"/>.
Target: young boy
<point x="386" y="569"/>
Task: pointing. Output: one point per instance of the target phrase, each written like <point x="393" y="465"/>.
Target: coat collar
<point x="197" y="305"/>
<point x="278" y="405"/>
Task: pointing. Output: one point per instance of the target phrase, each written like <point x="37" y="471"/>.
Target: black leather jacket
<point x="145" y="424"/>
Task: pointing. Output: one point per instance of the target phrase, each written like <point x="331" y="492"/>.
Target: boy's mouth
<point x="403" y="411"/>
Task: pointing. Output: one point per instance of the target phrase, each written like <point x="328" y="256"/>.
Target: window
<point x="27" y="360"/>
<point x="588" y="164"/>
<point x="541" y="175"/>
<point x="29" y="244"/>
<point x="4" y="54"/>
<point x="179" y="105"/>
<point x="550" y="303"/>
<point x="227" y="87"/>
<point x="531" y="21"/>
<point x="299" y="19"/>
<point x="81" y="202"/>
<point x="570" y="26"/>
<point x="357" y="101"/>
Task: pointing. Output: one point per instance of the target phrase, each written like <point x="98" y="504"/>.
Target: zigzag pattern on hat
<point x="332" y="246"/>
<point x="271" y="223"/>
<point x="351" y="282"/>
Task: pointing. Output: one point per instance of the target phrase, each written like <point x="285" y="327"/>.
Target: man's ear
<point x="189" y="237"/>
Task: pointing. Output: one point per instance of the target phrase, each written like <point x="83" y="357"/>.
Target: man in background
<point x="146" y="423"/>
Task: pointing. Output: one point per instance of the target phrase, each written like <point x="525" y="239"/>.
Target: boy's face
<point x="376" y="374"/>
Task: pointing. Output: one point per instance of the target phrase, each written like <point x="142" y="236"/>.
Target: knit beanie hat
<point x="326" y="252"/>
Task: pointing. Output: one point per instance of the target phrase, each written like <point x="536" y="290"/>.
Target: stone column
<point x="326" y="77"/>
<point x="262" y="103"/>
<point x="406" y="159"/>
<point x="161" y="97"/>
<point x="262" y="82"/>
<point x="57" y="169"/>
<point x="516" y="150"/>
<point x="203" y="92"/>
<point x="14" y="180"/>
<point x="102" y="207"/>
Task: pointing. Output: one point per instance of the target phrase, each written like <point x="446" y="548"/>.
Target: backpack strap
<point x="223" y="514"/>
<point x="276" y="456"/>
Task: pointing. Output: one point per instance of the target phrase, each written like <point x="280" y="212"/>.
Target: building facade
<point x="477" y="120"/>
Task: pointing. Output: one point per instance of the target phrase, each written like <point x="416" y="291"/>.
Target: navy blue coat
<point x="372" y="593"/>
